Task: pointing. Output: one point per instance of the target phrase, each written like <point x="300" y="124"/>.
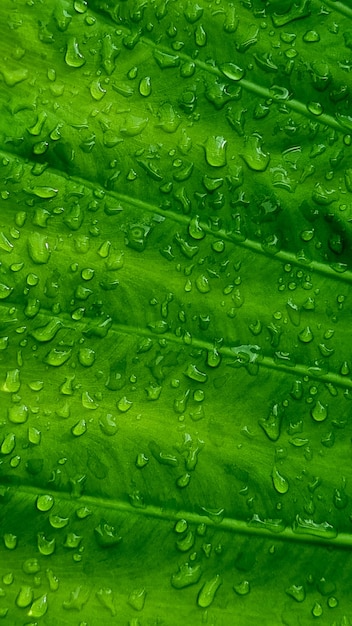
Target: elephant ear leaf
<point x="175" y="312"/>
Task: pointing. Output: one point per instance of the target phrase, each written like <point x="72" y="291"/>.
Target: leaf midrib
<point x="266" y="362"/>
<point x="248" y="85"/>
<point x="229" y="524"/>
<point x="282" y="256"/>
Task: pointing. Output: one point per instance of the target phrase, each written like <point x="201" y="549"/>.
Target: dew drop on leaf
<point x="207" y="593"/>
<point x="73" y="57"/>
<point x="24" y="597"/>
<point x="319" y="412"/>
<point x="45" y="502"/>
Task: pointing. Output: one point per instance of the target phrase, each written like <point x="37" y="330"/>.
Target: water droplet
<point x="106" y="598"/>
<point x="5" y="291"/>
<point x="72" y="541"/>
<point x="47" y="332"/>
<point x="254" y="156"/>
<point x="306" y="335"/>
<point x="10" y="541"/>
<point x="24" y="597"/>
<point x="309" y="527"/>
<point x="232" y="71"/>
<point x="242" y="588"/>
<point x="56" y="521"/>
<point x="183" y="481"/>
<point x="319" y="412"/>
<point x="208" y="591"/>
<point x="202" y="284"/>
<point x="14" y="76"/>
<point x="108" y="424"/>
<point x="194" y="373"/>
<point x="74" y="58"/>
<point x="45" y="502"/>
<point x="311" y="36"/>
<point x="8" y="578"/>
<point x="186" y="542"/>
<point x="80" y="6"/>
<point x="9" y="443"/>
<point x="315" y="108"/>
<point x="97" y="92"/>
<point x="18" y="414"/>
<point x="200" y="36"/>
<point x="297" y="592"/>
<point x="38" y="248"/>
<point x="317" y="609"/>
<point x="83" y="512"/>
<point x="187" y="575"/>
<point x="193" y="12"/>
<point x="165" y="60"/>
<point x="39" y="607"/>
<point x="280" y="483"/>
<point x="272" y="424"/>
<point x="79" y="428"/>
<point x="106" y="535"/>
<point x="45" y="546"/>
<point x="215" y="151"/>
<point x="86" y="357"/>
<point x="145" y="86"/>
<point x="78" y="598"/>
<point x="181" y="526"/>
<point x="57" y="357"/>
<point x="136" y="599"/>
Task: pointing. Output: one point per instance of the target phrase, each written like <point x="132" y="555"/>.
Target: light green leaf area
<point x="175" y="312"/>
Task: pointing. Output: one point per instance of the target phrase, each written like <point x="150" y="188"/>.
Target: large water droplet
<point x="215" y="150"/>
<point x="74" y="57"/>
<point x="208" y="591"/>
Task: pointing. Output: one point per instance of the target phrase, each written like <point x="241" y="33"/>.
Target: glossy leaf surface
<point x="175" y="312"/>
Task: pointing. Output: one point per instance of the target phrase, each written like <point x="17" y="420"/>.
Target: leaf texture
<point x="175" y="320"/>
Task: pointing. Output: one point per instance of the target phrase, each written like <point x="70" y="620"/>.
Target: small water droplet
<point x="311" y="36"/>
<point x="86" y="357"/>
<point x="306" y="335"/>
<point x="5" y="291"/>
<point x="45" y="546"/>
<point x="232" y="71"/>
<point x="317" y="609"/>
<point x="145" y="86"/>
<point x="10" y="541"/>
<point x="242" y="588"/>
<point x="297" y="592"/>
<point x="136" y="599"/>
<point x="45" y="502"/>
<point x="57" y="357"/>
<point x="9" y="443"/>
<point x="280" y="483"/>
<point x="315" y="108"/>
<point x="186" y="575"/>
<point x="106" y="598"/>
<point x="200" y="36"/>
<point x="106" y="535"/>
<point x="80" y="428"/>
<point x="24" y="597"/>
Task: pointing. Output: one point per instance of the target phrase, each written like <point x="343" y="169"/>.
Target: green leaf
<point x="175" y="315"/>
